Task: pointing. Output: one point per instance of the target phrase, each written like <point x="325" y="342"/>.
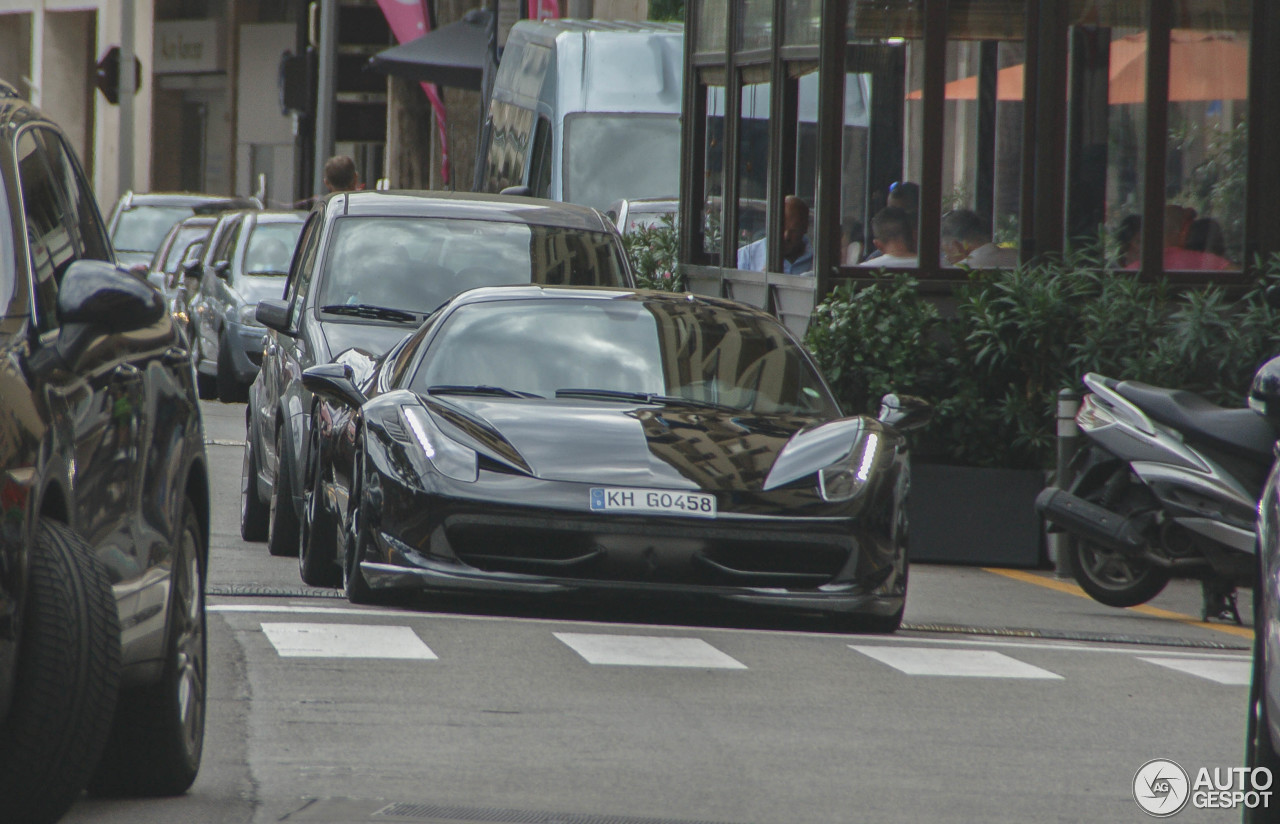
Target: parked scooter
<point x="1166" y="481"/>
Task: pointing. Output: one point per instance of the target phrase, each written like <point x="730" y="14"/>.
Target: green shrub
<point x="652" y="251"/>
<point x="1011" y="339"/>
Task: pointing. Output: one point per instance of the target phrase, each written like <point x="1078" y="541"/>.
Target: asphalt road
<point x="1009" y="697"/>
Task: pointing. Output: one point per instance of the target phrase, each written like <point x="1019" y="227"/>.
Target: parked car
<point x="165" y="268"/>
<point x="139" y="221"/>
<point x="542" y="440"/>
<point x="245" y="261"/>
<point x="370" y="267"/>
<point x="642" y="213"/>
<point x="103" y="486"/>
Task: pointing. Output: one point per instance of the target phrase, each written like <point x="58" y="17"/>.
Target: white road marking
<point x="346" y="641"/>
<point x="648" y="651"/>
<point x="310" y="610"/>
<point x="1231" y="673"/>
<point x="1060" y="646"/>
<point x="965" y="663"/>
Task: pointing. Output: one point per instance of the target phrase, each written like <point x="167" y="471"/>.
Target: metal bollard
<point x="1059" y="543"/>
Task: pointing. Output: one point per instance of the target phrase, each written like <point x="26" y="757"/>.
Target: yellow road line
<point x="1074" y="589"/>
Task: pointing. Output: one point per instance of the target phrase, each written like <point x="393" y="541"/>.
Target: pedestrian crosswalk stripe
<point x="966" y="663"/>
<point x="1231" y="673"/>
<point x="647" y="651"/>
<point x="346" y="641"/>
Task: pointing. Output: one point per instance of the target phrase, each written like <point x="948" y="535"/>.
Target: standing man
<point x="797" y="251"/>
<point x="340" y="174"/>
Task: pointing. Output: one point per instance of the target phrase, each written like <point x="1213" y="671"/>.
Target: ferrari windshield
<point x="627" y="350"/>
<point x="417" y="263"/>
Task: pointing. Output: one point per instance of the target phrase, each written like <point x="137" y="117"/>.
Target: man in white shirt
<point x="894" y="237"/>
<point x="797" y="251"/>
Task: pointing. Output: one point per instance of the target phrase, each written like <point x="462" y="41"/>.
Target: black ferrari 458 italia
<point x="532" y="439"/>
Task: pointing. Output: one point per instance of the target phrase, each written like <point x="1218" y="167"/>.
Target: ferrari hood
<point x="622" y="445"/>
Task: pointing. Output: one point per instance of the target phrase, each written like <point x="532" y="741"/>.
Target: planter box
<point x="964" y="515"/>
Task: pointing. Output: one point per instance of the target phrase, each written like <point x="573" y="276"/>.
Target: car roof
<point x="276" y="215"/>
<point x="528" y="291"/>
<point x="466" y="206"/>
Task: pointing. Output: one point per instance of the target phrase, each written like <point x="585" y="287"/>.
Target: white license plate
<point x="616" y="499"/>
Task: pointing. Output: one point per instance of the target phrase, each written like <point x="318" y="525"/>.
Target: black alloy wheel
<point x="255" y="513"/>
<point x="353" y="582"/>
<point x="282" y="538"/>
<point x="317" y="542"/>
<point x="158" y="736"/>
<point x="68" y="673"/>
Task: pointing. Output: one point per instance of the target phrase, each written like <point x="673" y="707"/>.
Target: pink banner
<point x="408" y="21"/>
<point x="543" y="9"/>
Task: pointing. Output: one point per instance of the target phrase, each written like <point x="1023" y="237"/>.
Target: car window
<point x="409" y="352"/>
<point x="270" y="248"/>
<point x="418" y="263"/>
<point x="10" y="300"/>
<point x="227" y="242"/>
<point x="303" y="265"/>
<point x="184" y="238"/>
<point x="142" y="228"/>
<point x="79" y="207"/>
<point x="700" y="352"/>
<point x="50" y="246"/>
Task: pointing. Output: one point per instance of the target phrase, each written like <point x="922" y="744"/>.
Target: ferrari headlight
<point x="450" y="458"/>
<point x="845" y="478"/>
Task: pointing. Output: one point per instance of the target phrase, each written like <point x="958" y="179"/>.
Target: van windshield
<point x="610" y="157"/>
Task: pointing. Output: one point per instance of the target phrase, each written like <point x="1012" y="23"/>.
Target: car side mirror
<point x="222" y="268"/>
<point x="334" y="382"/>
<point x="97" y="293"/>
<point x="904" y="412"/>
<point x="274" y="314"/>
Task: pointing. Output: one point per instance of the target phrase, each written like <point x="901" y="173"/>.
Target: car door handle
<point x="175" y="356"/>
<point x="126" y="371"/>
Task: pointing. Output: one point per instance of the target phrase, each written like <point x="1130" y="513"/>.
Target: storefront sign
<point x="188" y="46"/>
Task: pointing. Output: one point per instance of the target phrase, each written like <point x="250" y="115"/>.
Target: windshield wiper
<point x="462" y="389"/>
<point x="364" y="310"/>
<point x="642" y="397"/>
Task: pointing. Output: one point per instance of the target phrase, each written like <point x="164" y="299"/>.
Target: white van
<point x="586" y="111"/>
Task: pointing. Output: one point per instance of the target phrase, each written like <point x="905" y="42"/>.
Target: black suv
<point x="104" y="505"/>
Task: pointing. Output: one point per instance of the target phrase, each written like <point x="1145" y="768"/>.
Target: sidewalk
<point x="1036" y="603"/>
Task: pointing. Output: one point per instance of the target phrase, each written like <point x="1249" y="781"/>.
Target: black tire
<point x="68" y="674"/>
<point x="1115" y="579"/>
<point x="282" y="538"/>
<point x="255" y="513"/>
<point x="355" y="542"/>
<point x="317" y="532"/>
<point x="230" y="390"/>
<point x="874" y="624"/>
<point x="158" y="734"/>
<point x="206" y="385"/>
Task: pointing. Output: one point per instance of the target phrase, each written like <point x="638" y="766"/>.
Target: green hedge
<point x="1009" y="340"/>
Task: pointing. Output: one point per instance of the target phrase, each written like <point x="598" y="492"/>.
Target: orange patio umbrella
<point x="1202" y="66"/>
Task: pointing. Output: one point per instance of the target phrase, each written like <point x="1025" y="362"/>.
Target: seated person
<point x="894" y="238"/>
<point x="966" y="241"/>
<point x="797" y="251"/>
<point x="1177" y="257"/>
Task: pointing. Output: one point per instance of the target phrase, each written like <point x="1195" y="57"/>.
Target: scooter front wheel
<point x="1116" y="579"/>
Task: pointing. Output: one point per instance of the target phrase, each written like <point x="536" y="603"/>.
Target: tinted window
<point x="184" y="238"/>
<point x="50" y="245"/>
<point x="302" y="266"/>
<point x="8" y="254"/>
<point x="419" y="263"/>
<point x="691" y="350"/>
<point x="79" y="207"/>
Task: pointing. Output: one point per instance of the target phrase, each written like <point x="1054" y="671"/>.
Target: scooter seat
<point x="1242" y="431"/>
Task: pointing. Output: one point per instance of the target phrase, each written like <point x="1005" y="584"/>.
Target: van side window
<point x="509" y="145"/>
<point x="540" y="164"/>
